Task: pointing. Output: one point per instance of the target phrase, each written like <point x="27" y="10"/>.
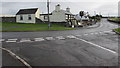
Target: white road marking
<point x="39" y="39"/>
<point x="71" y="36"/>
<point x="25" y="40"/>
<point x="97" y="46"/>
<point x="49" y="38"/>
<point x="107" y="31"/>
<point x="60" y="37"/>
<point x="85" y="34"/>
<point x="2" y="40"/>
<point x="11" y="40"/>
<point x="95" y="33"/>
<point x="16" y="57"/>
<point x="100" y="32"/>
<point x="78" y="35"/>
<point x="92" y="33"/>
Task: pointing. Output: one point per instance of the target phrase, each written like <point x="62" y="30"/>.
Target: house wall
<point x="58" y="16"/>
<point x="37" y="14"/>
<point x="25" y="18"/>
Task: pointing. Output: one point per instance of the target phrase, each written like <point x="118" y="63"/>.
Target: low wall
<point x="7" y="19"/>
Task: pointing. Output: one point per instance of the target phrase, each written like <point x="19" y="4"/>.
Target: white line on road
<point x="11" y="41"/>
<point x="92" y="33"/>
<point x="96" y="33"/>
<point x="60" y="37"/>
<point x="85" y="34"/>
<point x="78" y="35"/>
<point x="25" y="40"/>
<point x="100" y="32"/>
<point x="49" y="38"/>
<point x="97" y="45"/>
<point x="107" y="31"/>
<point x="71" y="36"/>
<point x="16" y="57"/>
<point x="39" y="39"/>
<point x="2" y="40"/>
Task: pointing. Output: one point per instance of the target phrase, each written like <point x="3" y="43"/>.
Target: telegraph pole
<point x="95" y="13"/>
<point x="48" y="14"/>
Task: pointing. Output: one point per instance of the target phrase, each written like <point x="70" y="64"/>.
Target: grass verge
<point x="31" y="27"/>
<point x="115" y="19"/>
<point x="117" y="30"/>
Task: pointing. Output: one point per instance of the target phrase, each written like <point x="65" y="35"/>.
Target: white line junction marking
<point x="97" y="46"/>
<point x="71" y="36"/>
<point x="50" y="38"/>
<point x="17" y="57"/>
<point x="25" y="40"/>
<point x="2" y="40"/>
<point x="60" y="37"/>
<point x="39" y="39"/>
<point x="11" y="40"/>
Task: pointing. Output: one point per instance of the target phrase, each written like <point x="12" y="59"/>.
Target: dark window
<point x="45" y="17"/>
<point x="21" y="17"/>
<point x="29" y="17"/>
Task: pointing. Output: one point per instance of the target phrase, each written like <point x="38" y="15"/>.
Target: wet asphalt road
<point x="96" y="46"/>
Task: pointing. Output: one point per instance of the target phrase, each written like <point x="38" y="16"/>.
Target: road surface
<point x="91" y="46"/>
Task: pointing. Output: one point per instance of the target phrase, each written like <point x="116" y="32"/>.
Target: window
<point x="21" y="17"/>
<point x="29" y="17"/>
<point x="45" y="17"/>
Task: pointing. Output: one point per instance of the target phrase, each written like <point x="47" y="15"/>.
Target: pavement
<point x="83" y="47"/>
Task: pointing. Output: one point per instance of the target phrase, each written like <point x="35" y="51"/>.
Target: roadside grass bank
<point x="31" y="27"/>
<point x="117" y="30"/>
<point x="117" y="20"/>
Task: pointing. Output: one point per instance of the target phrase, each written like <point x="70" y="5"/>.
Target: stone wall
<point x="8" y="19"/>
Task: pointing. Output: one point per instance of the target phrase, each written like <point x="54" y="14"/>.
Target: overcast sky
<point x="105" y="7"/>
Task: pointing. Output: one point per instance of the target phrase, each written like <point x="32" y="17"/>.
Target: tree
<point x="81" y="13"/>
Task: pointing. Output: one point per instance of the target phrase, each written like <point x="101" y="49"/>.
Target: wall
<point x="8" y="19"/>
<point x="37" y="14"/>
<point x="58" y="16"/>
<point x="25" y="18"/>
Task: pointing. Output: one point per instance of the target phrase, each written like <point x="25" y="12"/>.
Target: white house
<point x="59" y="15"/>
<point x="85" y="17"/>
<point x="30" y="15"/>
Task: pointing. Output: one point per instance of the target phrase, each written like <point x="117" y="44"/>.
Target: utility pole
<point x="95" y="13"/>
<point x="48" y="14"/>
<point x="108" y="15"/>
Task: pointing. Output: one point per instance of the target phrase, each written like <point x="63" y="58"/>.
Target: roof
<point x="46" y="14"/>
<point x="27" y="11"/>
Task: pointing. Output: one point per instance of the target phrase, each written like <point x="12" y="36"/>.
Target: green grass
<point x="31" y="27"/>
<point x="115" y="19"/>
<point x="117" y="30"/>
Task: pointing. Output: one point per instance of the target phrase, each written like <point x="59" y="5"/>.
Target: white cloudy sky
<point x="10" y="7"/>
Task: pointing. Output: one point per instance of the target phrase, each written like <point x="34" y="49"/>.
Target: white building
<point x="59" y="15"/>
<point x="31" y="15"/>
<point x="85" y="17"/>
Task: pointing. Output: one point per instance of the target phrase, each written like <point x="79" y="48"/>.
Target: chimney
<point x="57" y="7"/>
<point x="68" y="9"/>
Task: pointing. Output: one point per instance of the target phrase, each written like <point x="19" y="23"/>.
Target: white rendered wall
<point x="37" y="14"/>
<point x="58" y="16"/>
<point x="25" y="18"/>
